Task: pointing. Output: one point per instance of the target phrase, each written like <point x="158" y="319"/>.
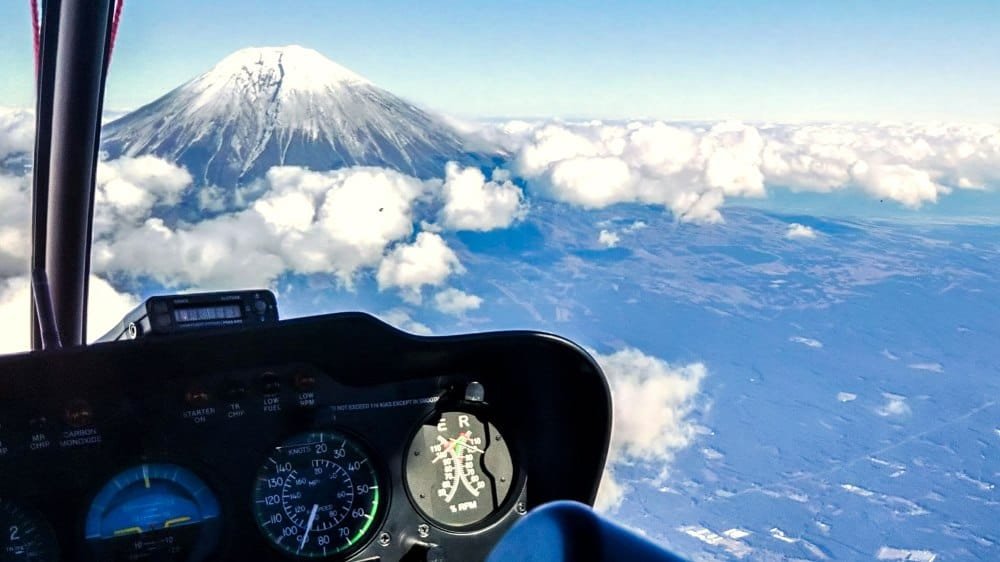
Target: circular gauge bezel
<point x="214" y="544"/>
<point x="48" y="540"/>
<point x="517" y="480"/>
<point x="382" y="503"/>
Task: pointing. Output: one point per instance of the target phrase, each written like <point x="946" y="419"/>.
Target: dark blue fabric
<point x="570" y="531"/>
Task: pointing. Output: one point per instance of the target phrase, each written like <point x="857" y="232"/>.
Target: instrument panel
<point x="334" y="437"/>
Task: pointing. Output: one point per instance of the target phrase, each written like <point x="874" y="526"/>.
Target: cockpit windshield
<point x="775" y="225"/>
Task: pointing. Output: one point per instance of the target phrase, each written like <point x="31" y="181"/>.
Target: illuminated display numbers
<point x="202" y="314"/>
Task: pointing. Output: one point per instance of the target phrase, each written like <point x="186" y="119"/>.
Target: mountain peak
<point x="284" y="71"/>
<point x="302" y="68"/>
<point x="270" y="106"/>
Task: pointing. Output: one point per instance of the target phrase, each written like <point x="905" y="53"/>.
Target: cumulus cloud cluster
<point x="342" y="223"/>
<point x="335" y="222"/>
<point x="473" y="203"/>
<point x="127" y="189"/>
<point x="692" y="169"/>
<point x="427" y="261"/>
<point x="653" y="405"/>
<point x="393" y="227"/>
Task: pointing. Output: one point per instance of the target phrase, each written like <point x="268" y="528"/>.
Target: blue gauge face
<point x="151" y="511"/>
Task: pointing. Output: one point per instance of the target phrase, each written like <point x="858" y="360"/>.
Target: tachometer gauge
<point x="318" y="495"/>
<point x="25" y="536"/>
<point x="458" y="471"/>
<point x="154" y="512"/>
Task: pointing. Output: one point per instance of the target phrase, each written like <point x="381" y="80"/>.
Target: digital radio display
<point x="207" y="313"/>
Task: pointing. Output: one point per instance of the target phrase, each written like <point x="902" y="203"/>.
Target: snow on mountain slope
<point x="263" y="107"/>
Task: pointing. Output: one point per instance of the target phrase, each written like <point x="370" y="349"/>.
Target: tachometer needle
<point x="450" y="444"/>
<point x="309" y="526"/>
<point x="460" y="443"/>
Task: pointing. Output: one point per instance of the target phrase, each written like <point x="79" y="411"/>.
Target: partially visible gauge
<point x="458" y="471"/>
<point x="154" y="512"/>
<point x="318" y="495"/>
<point x="25" y="536"/>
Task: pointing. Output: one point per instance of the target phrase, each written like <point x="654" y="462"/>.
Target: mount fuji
<point x="271" y="106"/>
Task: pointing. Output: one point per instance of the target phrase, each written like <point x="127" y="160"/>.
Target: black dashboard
<point x="334" y="437"/>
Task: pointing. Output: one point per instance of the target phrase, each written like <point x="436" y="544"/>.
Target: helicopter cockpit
<point x="205" y="428"/>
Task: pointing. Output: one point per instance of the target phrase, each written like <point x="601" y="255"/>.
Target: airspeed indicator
<point x="317" y="496"/>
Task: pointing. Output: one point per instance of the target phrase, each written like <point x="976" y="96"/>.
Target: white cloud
<point x="410" y="267"/>
<point x="15" y="224"/>
<point x="229" y="252"/>
<point x="14" y="310"/>
<point x="293" y="210"/>
<point x="126" y="192"/>
<point x="368" y="208"/>
<point x="691" y="169"/>
<point x="846" y="397"/>
<point x="551" y="143"/>
<point x="17" y="132"/>
<point x="608" y="239"/>
<point x="401" y="319"/>
<point x="592" y="182"/>
<point x="636" y="226"/>
<point x="932" y="367"/>
<point x="690" y="172"/>
<point x="14" y="246"/>
<point x="308" y="222"/>
<point x="732" y="153"/>
<point x="895" y="406"/>
<point x="106" y="306"/>
<point x="212" y="198"/>
<point x="348" y="221"/>
<point x="455" y="302"/>
<point x="798" y="231"/>
<point x="127" y="189"/>
<point x="905" y="554"/>
<point x="653" y="401"/>
<point x="900" y="182"/>
<point x="472" y="203"/>
<point x="340" y="222"/>
<point x="808" y="342"/>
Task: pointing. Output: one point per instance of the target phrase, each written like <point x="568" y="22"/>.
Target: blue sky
<point x="763" y="60"/>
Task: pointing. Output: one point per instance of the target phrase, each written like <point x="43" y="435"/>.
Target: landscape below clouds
<point x="787" y="385"/>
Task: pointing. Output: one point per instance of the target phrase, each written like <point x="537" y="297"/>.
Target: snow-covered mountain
<point x="263" y="107"/>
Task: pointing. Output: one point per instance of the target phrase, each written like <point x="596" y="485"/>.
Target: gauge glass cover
<point x="317" y="495"/>
<point x="459" y="470"/>
<point x="25" y="536"/>
<point x="154" y="510"/>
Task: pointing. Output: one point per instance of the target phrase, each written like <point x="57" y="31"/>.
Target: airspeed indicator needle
<point x="309" y="524"/>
